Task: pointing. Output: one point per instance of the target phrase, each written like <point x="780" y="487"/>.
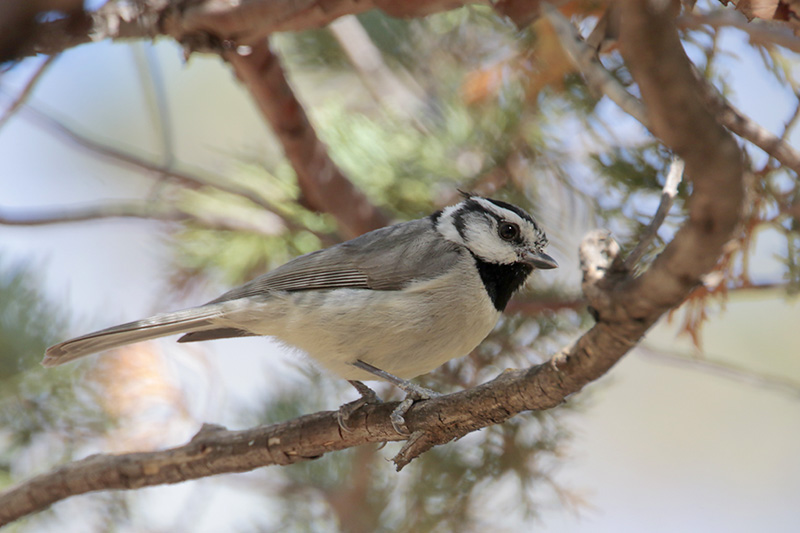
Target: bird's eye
<point x="508" y="231"/>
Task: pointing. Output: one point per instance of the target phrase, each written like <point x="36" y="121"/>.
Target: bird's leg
<point x="368" y="396"/>
<point x="413" y="392"/>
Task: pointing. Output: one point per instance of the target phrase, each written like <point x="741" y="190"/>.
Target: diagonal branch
<point x="149" y="210"/>
<point x="324" y="187"/>
<point x="758" y="31"/>
<point x="187" y="179"/>
<point x="748" y="129"/>
<point x="26" y="91"/>
<point x="585" y="58"/>
<point x="720" y="368"/>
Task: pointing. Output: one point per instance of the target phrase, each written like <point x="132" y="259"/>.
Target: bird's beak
<point x="539" y="260"/>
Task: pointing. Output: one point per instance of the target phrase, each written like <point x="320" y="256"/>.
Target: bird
<point x="391" y="304"/>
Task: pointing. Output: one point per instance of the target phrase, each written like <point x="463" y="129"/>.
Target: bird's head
<point x="495" y="232"/>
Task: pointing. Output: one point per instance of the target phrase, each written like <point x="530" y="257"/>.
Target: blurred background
<point x="697" y="429"/>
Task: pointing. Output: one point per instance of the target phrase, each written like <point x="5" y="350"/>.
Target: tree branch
<point x="123" y="210"/>
<point x="597" y="77"/>
<point x="585" y="58"/>
<point x="759" y="32"/>
<point x="266" y="224"/>
<point x="723" y="369"/>
<point x="748" y="129"/>
<point x="201" y="25"/>
<point x="324" y="187"/>
<point x="190" y="180"/>
<point x="26" y="91"/>
<point x="668" y="193"/>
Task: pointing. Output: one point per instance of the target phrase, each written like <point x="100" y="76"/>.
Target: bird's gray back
<point x="386" y="259"/>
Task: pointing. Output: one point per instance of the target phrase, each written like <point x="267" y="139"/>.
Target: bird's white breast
<point x="406" y="333"/>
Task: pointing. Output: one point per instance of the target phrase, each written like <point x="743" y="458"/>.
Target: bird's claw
<point x="368" y="397"/>
<point x="413" y="394"/>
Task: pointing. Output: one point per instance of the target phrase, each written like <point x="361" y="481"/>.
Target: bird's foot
<point x="413" y="392"/>
<point x="368" y="396"/>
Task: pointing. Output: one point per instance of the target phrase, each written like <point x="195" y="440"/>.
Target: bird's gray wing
<point x="385" y="259"/>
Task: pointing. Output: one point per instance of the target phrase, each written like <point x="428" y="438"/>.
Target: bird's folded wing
<point x="386" y="259"/>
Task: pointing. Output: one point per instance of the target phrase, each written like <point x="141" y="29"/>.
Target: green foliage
<point x="39" y="410"/>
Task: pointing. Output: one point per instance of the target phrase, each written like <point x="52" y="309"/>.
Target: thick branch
<point x="324" y="187"/>
<point x="203" y="24"/>
<point x="679" y="117"/>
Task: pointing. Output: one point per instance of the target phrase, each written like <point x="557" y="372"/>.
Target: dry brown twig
<point x="626" y="307"/>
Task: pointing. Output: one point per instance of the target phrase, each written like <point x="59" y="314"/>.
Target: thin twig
<point x="122" y="210"/>
<point x="748" y="129"/>
<point x="147" y="210"/>
<point x="585" y="58"/>
<point x="187" y="179"/>
<point x="191" y="180"/>
<point x="723" y="369"/>
<point x="792" y="121"/>
<point x="668" y="193"/>
<point x="759" y="32"/>
<point x="155" y="94"/>
<point x="27" y="90"/>
<point x="601" y="80"/>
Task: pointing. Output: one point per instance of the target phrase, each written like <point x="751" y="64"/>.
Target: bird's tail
<point x="185" y="321"/>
